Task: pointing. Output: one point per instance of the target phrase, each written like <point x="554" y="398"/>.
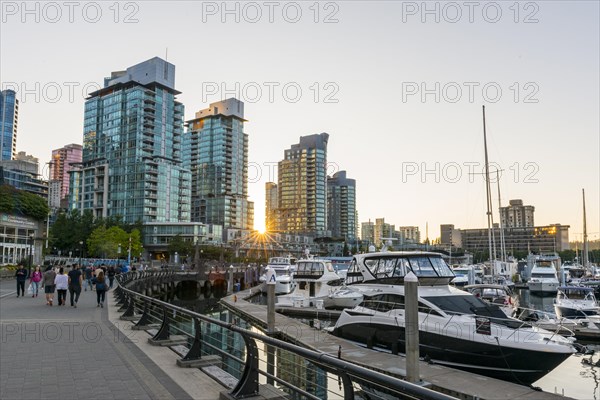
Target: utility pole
<point x="129" y="253"/>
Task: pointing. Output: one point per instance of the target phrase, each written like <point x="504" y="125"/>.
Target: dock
<point x="454" y="382"/>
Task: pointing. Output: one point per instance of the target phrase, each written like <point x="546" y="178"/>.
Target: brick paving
<point x="72" y="353"/>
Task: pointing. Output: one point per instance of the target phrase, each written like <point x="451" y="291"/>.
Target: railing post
<point x="125" y="303"/>
<point x="130" y="311"/>
<point x="145" y="318"/>
<point x="195" y="352"/>
<point x="248" y="383"/>
<point x="164" y="331"/>
<point x="348" y="388"/>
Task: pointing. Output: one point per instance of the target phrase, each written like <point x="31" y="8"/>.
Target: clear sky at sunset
<point x="398" y="86"/>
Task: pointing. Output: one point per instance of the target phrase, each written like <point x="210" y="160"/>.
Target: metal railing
<point x="300" y="372"/>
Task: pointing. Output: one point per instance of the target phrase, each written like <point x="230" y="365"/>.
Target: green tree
<point x="104" y="242"/>
<point x="15" y="201"/>
<point x="179" y="246"/>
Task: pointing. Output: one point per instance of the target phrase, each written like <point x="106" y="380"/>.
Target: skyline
<point x="380" y="127"/>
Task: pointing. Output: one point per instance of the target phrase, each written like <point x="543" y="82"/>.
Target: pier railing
<point x="299" y="372"/>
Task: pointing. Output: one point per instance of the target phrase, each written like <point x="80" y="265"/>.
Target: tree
<point x="179" y="246"/>
<point x="104" y="242"/>
<point x="20" y="202"/>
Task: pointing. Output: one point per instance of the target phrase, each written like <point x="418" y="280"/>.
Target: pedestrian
<point x="88" y="273"/>
<point x="49" y="276"/>
<point x="62" y="283"/>
<point x="21" y="275"/>
<point x="100" y="282"/>
<point x="111" y="276"/>
<point x="75" y="279"/>
<point x="35" y="279"/>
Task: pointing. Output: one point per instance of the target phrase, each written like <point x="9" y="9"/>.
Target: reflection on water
<point x="578" y="376"/>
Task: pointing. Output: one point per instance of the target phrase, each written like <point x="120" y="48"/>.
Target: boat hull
<point x="543" y="288"/>
<point x="510" y="364"/>
<point x="573" y="313"/>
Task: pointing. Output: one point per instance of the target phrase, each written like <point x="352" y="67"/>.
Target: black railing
<point x="301" y="372"/>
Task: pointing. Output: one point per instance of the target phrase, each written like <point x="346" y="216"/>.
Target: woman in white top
<point x="62" y="283"/>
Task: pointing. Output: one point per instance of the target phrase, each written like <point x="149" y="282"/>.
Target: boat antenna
<point x="585" y="238"/>
<point x="490" y="220"/>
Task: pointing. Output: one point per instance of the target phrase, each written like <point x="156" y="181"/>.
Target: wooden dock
<point x="454" y="382"/>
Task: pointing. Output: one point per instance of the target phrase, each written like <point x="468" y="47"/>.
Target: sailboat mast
<point x="487" y="191"/>
<point x="585" y="238"/>
<point x="502" y="243"/>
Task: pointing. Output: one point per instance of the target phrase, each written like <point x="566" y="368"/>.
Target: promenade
<point x="73" y="353"/>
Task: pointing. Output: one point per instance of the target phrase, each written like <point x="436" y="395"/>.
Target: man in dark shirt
<point x="21" y="276"/>
<point x="111" y="276"/>
<point x="75" y="280"/>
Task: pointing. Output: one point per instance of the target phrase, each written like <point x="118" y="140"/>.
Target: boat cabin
<point x="391" y="267"/>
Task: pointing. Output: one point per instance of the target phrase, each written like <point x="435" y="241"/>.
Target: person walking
<point x="75" y="280"/>
<point x="100" y="282"/>
<point x="21" y="275"/>
<point x="35" y="279"/>
<point x="49" y="276"/>
<point x="111" y="276"/>
<point x="62" y="283"/>
<point x="87" y="274"/>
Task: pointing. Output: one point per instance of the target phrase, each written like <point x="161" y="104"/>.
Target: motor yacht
<point x="284" y="268"/>
<point x="575" y="302"/>
<point x="456" y="328"/>
<point x="500" y="295"/>
<point x="544" y="279"/>
<point x="315" y="280"/>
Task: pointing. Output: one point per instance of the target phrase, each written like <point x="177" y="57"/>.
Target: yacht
<point x="544" y="279"/>
<point x="456" y="328"/>
<point x="500" y="295"/>
<point x="316" y="280"/>
<point x="284" y="268"/>
<point x="466" y="275"/>
<point x="575" y="302"/>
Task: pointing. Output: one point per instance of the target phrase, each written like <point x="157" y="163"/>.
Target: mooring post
<point x="411" y="285"/>
<point x="271" y="283"/>
<point x="230" y="283"/>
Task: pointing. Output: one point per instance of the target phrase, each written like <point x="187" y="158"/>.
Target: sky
<point x="398" y="85"/>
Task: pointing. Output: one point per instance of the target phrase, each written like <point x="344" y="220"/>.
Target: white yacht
<point x="467" y="275"/>
<point x="284" y="268"/>
<point x="500" y="295"/>
<point x="544" y="279"/>
<point x="456" y="329"/>
<point x="575" y="302"/>
<point x="316" y="280"/>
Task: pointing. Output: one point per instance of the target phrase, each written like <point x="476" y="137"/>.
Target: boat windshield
<point x="397" y="267"/>
<point x="472" y="305"/>
<point x="576" y="294"/>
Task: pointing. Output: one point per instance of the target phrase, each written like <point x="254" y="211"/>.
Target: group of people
<point x="54" y="279"/>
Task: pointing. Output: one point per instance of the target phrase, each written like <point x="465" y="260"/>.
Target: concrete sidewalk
<point x="73" y="353"/>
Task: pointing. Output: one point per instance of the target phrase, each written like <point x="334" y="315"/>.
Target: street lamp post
<point x="80" y="252"/>
<point x="30" y="251"/>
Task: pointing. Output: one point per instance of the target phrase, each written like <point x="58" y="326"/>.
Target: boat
<point x="284" y="268"/>
<point x="456" y="328"/>
<point x="466" y="275"/>
<point x="317" y="284"/>
<point x="544" y="280"/>
<point x="575" y="302"/>
<point x="500" y="295"/>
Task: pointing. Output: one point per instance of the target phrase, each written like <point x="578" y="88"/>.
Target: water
<point x="574" y="378"/>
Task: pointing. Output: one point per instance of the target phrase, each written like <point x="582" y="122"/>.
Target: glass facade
<point x="341" y="206"/>
<point x="9" y="115"/>
<point x="302" y="187"/>
<point x="132" y="153"/>
<point x="216" y="152"/>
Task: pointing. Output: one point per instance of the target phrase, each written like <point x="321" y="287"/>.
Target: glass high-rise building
<point x="9" y="117"/>
<point x="270" y="206"/>
<point x="62" y="162"/>
<point x="132" y="148"/>
<point x="302" y="187"/>
<point x="216" y="152"/>
<point x="341" y="206"/>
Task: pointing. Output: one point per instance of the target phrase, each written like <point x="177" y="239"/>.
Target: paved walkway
<point x="72" y="353"/>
